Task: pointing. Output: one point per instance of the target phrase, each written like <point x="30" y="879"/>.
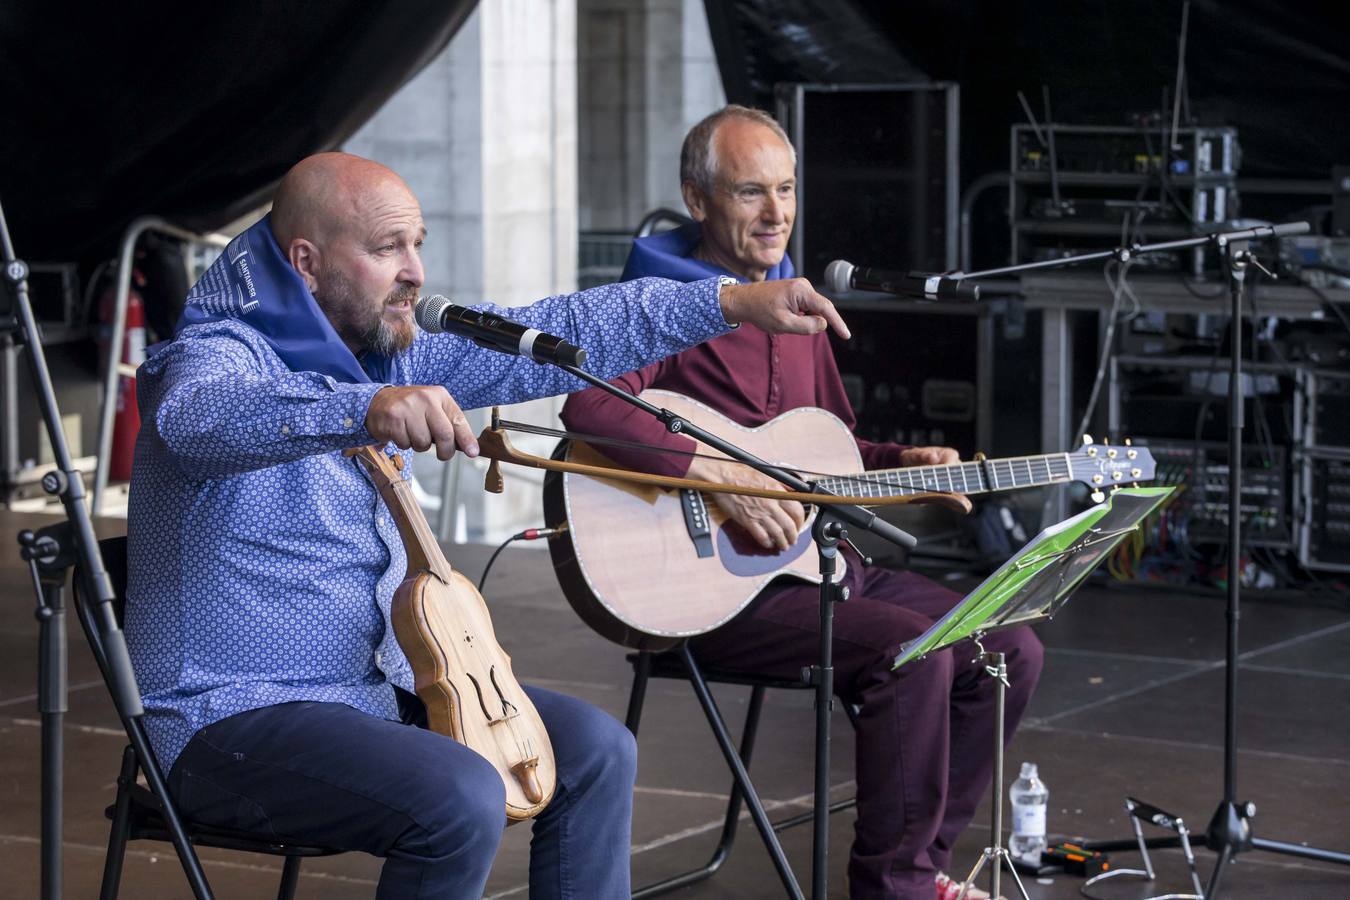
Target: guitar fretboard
<point x="960" y="478"/>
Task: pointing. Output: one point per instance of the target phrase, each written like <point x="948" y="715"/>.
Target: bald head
<point x="353" y="232"/>
<point x="327" y="192"/>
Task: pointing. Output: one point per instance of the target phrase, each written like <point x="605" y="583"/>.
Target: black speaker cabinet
<point x="877" y="178"/>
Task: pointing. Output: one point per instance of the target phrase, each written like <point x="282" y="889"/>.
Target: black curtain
<point x="1279" y="72"/>
<point x="188" y="111"/>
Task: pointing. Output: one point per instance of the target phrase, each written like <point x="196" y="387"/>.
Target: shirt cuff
<point x="344" y="413"/>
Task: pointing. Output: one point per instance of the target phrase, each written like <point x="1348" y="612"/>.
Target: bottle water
<point x="1029" y="797"/>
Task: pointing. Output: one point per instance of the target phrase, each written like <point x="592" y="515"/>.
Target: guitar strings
<point x="859" y="478"/>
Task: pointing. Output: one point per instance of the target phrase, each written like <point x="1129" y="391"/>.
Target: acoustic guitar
<point x="649" y="566"/>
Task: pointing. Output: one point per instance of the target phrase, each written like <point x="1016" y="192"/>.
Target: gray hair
<point x="698" y="156"/>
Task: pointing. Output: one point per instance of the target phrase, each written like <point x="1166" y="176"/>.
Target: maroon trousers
<point x="925" y="735"/>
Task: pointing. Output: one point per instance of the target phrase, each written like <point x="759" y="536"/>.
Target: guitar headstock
<point x="1103" y="466"/>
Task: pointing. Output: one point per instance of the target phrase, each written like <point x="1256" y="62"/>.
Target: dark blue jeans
<point x="325" y="773"/>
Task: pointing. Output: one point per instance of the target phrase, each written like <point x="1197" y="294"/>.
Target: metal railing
<point x="115" y="367"/>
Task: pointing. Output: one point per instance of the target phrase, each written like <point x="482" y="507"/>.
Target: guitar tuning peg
<point x="979" y="456"/>
<point x="1106" y="440"/>
<point x="1087" y="439"/>
<point x="1098" y="496"/>
<point x="1127" y="442"/>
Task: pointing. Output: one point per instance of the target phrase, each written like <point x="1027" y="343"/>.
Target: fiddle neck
<point x="419" y="541"/>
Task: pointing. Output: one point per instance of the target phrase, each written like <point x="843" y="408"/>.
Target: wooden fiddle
<point x="461" y="673"/>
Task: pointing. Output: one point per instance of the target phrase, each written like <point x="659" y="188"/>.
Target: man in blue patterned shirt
<point x="262" y="562"/>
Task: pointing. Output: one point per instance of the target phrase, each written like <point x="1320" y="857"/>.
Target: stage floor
<point x="1131" y="702"/>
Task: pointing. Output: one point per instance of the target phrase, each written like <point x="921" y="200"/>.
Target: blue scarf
<point x="667" y="255"/>
<point x="254" y="283"/>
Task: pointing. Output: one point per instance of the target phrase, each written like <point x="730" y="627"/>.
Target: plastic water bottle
<point x="1029" y="797"/>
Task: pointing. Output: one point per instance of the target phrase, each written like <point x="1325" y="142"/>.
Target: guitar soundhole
<point x="742" y="555"/>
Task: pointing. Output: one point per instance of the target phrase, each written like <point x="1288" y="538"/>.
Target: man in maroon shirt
<point x="924" y="743"/>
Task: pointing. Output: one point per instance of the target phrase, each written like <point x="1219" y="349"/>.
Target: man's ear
<point x="306" y="259"/>
<point x="694" y="201"/>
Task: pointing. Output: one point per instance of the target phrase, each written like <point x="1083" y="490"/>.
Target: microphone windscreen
<point x="837" y="276"/>
<point x="427" y="313"/>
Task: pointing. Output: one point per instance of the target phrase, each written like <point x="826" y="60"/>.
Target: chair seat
<point x="669" y="665"/>
<point x="147" y="824"/>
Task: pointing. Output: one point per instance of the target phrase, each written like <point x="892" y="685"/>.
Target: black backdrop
<point x="111" y="112"/>
<point x="1279" y="71"/>
<point x="183" y="110"/>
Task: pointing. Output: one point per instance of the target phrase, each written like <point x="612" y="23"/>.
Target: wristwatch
<point x="723" y="281"/>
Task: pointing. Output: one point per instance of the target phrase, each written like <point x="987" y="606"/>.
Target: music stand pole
<point x="996" y="667"/>
<point x="827" y="531"/>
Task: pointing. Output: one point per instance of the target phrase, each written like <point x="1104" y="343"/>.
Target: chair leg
<point x="290" y="877"/>
<point x="742" y="776"/>
<point x="642" y="670"/>
<point x="121" y="826"/>
<point x="733" y="816"/>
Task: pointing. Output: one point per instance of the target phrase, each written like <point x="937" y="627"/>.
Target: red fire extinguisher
<point x="127" y="420"/>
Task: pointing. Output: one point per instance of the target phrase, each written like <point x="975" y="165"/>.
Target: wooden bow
<point x="496" y="446"/>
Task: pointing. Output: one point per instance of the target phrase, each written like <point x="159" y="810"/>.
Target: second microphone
<point x="436" y="314"/>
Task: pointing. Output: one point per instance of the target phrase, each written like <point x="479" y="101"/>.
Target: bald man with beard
<point x="262" y="563"/>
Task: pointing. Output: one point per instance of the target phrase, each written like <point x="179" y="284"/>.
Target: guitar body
<point x="628" y="563"/>
<point x="447" y="635"/>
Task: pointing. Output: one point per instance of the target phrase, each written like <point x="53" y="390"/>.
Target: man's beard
<point x="352" y="316"/>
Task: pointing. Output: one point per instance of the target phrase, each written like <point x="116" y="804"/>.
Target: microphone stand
<point x="1229" y="831"/>
<point x="827" y="531"/>
<point x="49" y="553"/>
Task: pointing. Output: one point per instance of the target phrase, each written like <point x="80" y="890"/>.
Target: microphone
<point x="842" y="275"/>
<point x="436" y="314"/>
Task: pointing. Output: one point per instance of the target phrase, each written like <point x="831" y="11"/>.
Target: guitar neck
<point x="978" y="477"/>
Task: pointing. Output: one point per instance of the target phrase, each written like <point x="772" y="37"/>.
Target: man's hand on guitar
<point x="928" y="456"/>
<point x="788" y="306"/>
<point x="774" y="524"/>
<point x="420" y="416"/>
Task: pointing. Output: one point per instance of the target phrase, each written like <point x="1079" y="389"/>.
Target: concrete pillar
<point x="647" y="75"/>
<point x="486" y="137"/>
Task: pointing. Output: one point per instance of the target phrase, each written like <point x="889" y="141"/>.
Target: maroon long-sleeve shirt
<point x="748" y="375"/>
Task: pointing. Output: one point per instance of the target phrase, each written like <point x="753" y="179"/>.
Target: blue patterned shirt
<point x="262" y="562"/>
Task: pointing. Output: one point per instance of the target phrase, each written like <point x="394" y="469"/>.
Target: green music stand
<point x="1031" y="587"/>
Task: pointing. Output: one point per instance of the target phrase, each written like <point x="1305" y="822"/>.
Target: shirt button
<point x="379" y="520"/>
<point x="285" y="429"/>
<point x="347" y="422"/>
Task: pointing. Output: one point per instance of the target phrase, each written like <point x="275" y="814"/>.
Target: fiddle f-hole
<point x="482" y="701"/>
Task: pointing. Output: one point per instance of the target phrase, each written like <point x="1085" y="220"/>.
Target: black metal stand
<point x="50" y="554"/>
<point x="827" y="530"/>
<point x="1229" y="831"/>
<point x="996" y="667"/>
<point x="48" y="560"/>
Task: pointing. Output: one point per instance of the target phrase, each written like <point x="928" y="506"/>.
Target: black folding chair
<point x="142" y="814"/>
<point x="681" y="664"/>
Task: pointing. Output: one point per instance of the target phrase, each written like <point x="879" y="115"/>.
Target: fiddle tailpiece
<point x="527" y="776"/>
